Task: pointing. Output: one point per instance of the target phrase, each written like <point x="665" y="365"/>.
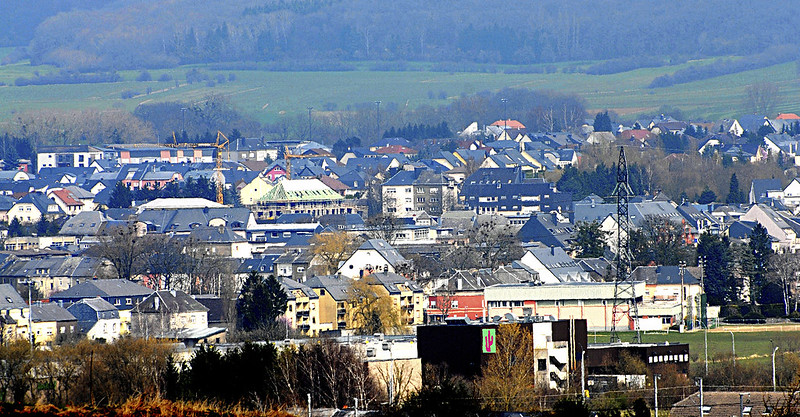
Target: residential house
<point x="31" y="208"/>
<point x="120" y="293"/>
<point x="97" y="319"/>
<point x="14" y="314"/>
<point x="333" y="300"/>
<point x="554" y="265"/>
<point x="763" y="189"/>
<point x="295" y="264"/>
<point x="52" y="324"/>
<point x="303" y="310"/>
<point x="373" y="256"/>
<point x="547" y="229"/>
<point x="418" y="190"/>
<point x="163" y="312"/>
<point x="66" y="156"/>
<point x="672" y="296"/>
<point x="220" y="241"/>
<point x="778" y="224"/>
<point x="505" y="191"/>
<point x="72" y="200"/>
<point x="254" y="190"/>
<point x="406" y="295"/>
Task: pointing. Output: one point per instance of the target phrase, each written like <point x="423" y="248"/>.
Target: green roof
<point x="300" y="190"/>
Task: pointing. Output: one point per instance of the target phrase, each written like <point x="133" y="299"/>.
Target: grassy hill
<point x="268" y="96"/>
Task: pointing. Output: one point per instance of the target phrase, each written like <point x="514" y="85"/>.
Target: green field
<point x="750" y="346"/>
<point x="268" y="96"/>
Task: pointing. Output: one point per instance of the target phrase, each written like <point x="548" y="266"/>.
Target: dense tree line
<point x="601" y="181"/>
<point x="129" y="34"/>
<point x="419" y="131"/>
<point x="771" y="56"/>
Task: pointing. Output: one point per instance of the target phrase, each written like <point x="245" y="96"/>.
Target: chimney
<point x="156" y="302"/>
<point x="552" y="250"/>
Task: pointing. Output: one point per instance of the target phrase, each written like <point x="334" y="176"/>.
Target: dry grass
<point x="139" y="407"/>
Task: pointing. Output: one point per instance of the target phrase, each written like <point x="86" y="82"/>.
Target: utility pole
<point x="183" y="118"/>
<point x="505" y="115"/>
<point x="309" y="121"/>
<point x="309" y="404"/>
<point x="378" y="117"/>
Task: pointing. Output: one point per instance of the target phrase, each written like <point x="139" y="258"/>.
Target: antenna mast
<point x="624" y="291"/>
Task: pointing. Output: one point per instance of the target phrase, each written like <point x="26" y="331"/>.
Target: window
<point x="541" y="364"/>
<point x="454" y="304"/>
<point x="128" y="301"/>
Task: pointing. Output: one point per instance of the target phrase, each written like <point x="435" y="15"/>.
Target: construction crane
<point x="288" y="157"/>
<point x="221" y="144"/>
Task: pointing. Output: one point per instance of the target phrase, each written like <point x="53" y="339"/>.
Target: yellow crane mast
<point x="221" y="145"/>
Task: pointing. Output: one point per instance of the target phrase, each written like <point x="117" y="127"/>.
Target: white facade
<point x="105" y="329"/>
<point x="398" y="199"/>
<point x="66" y="158"/>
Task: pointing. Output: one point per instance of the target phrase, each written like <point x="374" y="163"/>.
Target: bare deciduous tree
<point x="761" y="98"/>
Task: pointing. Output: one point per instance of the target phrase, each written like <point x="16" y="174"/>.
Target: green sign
<point x="489" y="341"/>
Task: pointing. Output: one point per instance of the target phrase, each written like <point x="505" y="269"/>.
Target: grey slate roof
<point x="50" y="312"/>
<point x="215" y="235"/>
<point x="85" y="223"/>
<point x="170" y="302"/>
<point x="186" y="220"/>
<point x="392" y="256"/>
<point x="10" y="298"/>
<point x="663" y="275"/>
<point x="335" y="285"/>
<point x="390" y="281"/>
<point x="103" y="288"/>
<point x="289" y="285"/>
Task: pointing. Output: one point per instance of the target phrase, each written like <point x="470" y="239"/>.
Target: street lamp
<point x="733" y="349"/>
<point x="741" y="402"/>
<point x="656" y="377"/>
<point x="773" y="367"/>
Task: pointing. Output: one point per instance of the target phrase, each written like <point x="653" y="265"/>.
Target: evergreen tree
<point x="757" y="267"/>
<point x="590" y="240"/>
<point x="260" y="302"/>
<point x="720" y="283"/>
<point x="15" y="228"/>
<point x="707" y="196"/>
<point x="602" y="122"/>
<point x="735" y="195"/>
<point x="121" y="196"/>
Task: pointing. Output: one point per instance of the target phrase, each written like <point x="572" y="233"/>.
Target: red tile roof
<point x="788" y="116"/>
<point x="511" y="124"/>
<point x="396" y="149"/>
<point x="66" y="197"/>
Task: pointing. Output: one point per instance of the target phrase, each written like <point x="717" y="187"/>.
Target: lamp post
<point x="700" y="382"/>
<point x="656" y="377"/>
<point x="733" y="349"/>
<point x="773" y="367"/>
<point x="583" y="375"/>
<point x="683" y="318"/>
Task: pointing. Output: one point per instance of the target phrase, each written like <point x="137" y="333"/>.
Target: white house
<point x="97" y="318"/>
<point x="374" y="255"/>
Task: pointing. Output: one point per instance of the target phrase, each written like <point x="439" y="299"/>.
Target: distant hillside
<point x="131" y="34"/>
